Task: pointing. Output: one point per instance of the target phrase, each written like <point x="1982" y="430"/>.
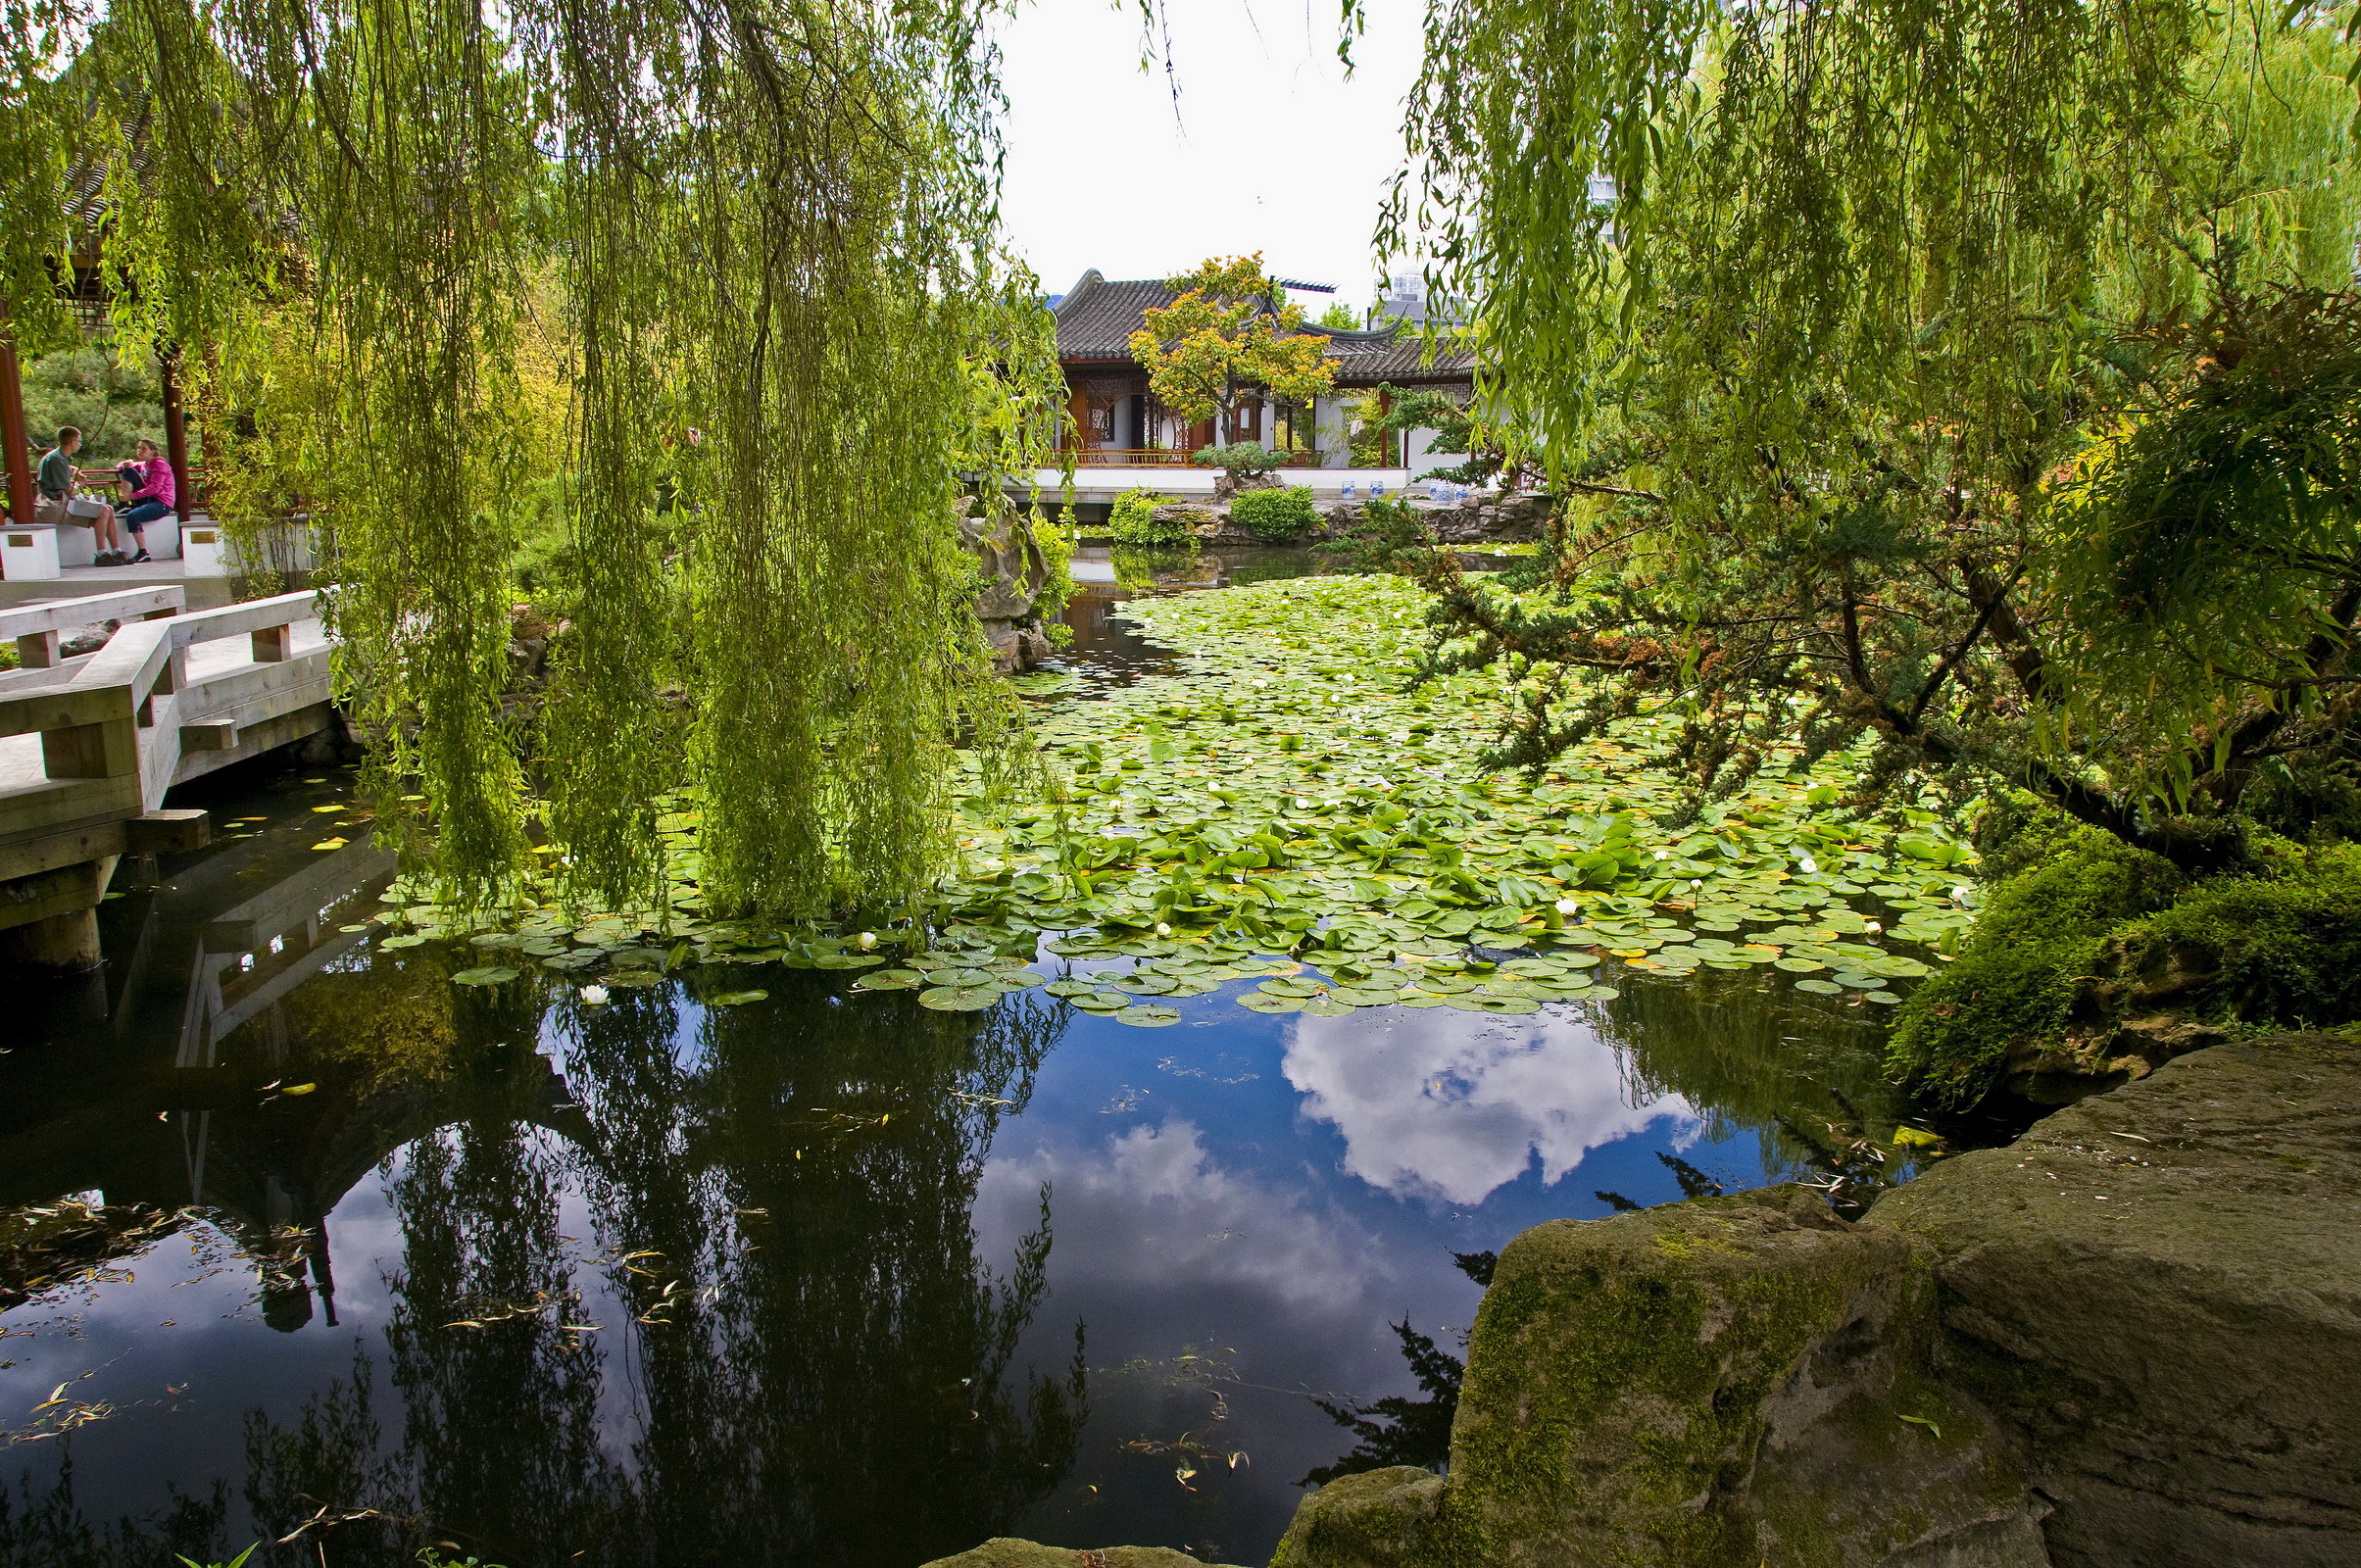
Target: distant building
<point x="1122" y="424"/>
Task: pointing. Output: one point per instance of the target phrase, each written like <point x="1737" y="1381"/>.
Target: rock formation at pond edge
<point x="2129" y="1339"/>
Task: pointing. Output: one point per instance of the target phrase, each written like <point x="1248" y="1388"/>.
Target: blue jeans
<point x="139" y="516"/>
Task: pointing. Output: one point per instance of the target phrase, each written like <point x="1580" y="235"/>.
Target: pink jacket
<point x="160" y="485"/>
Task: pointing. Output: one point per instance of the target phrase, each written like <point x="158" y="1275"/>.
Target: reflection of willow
<point x="820" y="1369"/>
<point x="1804" y="1078"/>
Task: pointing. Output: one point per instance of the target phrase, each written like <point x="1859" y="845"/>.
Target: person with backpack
<point x="59" y="506"/>
<point x="150" y="490"/>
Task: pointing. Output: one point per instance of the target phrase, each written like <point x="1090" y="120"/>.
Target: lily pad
<point x="492" y="975"/>
<point x="959" y="999"/>
<point x="734" y="998"/>
<point x="1148" y="1018"/>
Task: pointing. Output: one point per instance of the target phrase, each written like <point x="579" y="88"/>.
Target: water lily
<point x="1809" y="863"/>
<point x="1960" y="894"/>
<point x="1665" y="855"/>
<point x="1162" y="930"/>
<point x="866" y="939"/>
<point x="595" y="995"/>
<point x="1567" y="907"/>
<point x="1872" y="928"/>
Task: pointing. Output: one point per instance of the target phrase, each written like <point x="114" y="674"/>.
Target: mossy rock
<point x="1727" y="1383"/>
<point x="1007" y="1551"/>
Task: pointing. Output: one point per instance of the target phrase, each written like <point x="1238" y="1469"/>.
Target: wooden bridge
<point x="89" y="745"/>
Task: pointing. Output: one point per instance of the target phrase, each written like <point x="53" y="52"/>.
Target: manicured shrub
<point x="1132" y="521"/>
<point x="1275" y="515"/>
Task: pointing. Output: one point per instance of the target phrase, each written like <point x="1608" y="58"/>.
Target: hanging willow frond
<point x="771" y="224"/>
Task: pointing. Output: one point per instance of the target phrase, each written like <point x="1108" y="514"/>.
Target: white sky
<point x="1273" y="149"/>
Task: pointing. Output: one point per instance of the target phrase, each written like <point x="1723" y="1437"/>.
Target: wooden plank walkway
<point x="90" y="745"/>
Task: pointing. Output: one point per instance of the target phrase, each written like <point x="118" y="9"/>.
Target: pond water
<point x="306" y="1242"/>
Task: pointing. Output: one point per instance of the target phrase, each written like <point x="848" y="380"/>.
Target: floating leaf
<point x="1148" y="1018"/>
<point x="491" y="976"/>
<point x="734" y="998"/>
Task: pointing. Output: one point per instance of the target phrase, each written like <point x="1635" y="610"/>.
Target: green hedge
<point x="1275" y="515"/>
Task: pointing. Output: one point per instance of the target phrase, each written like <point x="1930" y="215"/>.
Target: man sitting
<point x="59" y="506"/>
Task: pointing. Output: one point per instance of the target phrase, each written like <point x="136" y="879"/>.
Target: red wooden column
<point x="16" y="442"/>
<point x="175" y="435"/>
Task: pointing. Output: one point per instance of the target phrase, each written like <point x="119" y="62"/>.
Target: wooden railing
<point x="1165" y="458"/>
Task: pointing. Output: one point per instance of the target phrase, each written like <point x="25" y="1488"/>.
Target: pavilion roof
<point x="1096" y="317"/>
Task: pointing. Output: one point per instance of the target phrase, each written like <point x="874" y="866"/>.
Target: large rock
<point x="2160" y="1290"/>
<point x="1007" y="1551"/>
<point x="1730" y="1382"/>
<point x="1014" y="575"/>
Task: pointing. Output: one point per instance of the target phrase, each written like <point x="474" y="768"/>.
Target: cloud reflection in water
<point x="1454" y="1105"/>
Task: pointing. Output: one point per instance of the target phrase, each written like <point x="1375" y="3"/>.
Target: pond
<point x="308" y="1246"/>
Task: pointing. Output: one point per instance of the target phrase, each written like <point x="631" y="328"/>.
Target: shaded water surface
<point x="305" y="1240"/>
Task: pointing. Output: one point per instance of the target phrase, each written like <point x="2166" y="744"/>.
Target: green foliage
<point x="685" y="372"/>
<point x="115" y="403"/>
<point x="2281" y="945"/>
<point x="1242" y="460"/>
<point x="1340" y="316"/>
<point x="1132" y="522"/>
<point x="1983" y="389"/>
<point x="1275" y="516"/>
<point x="2035" y="940"/>
<point x="1231" y="332"/>
<point x="1391" y="537"/>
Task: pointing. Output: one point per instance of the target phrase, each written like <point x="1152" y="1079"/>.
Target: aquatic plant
<point x="1294" y="809"/>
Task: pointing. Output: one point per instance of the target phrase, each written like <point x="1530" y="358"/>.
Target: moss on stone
<point x="2280" y="946"/>
<point x="2015" y="984"/>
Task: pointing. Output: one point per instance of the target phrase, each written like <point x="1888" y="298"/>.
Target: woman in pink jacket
<point x="150" y="492"/>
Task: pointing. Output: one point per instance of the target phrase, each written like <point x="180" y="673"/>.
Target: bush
<point x="2097" y="932"/>
<point x="1133" y="521"/>
<point x="1275" y="515"/>
<point x="1244" y="460"/>
<point x="2278" y="948"/>
<point x="1391" y="537"/>
<point x="2015" y="983"/>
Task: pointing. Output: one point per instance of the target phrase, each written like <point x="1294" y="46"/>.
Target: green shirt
<point x="57" y="474"/>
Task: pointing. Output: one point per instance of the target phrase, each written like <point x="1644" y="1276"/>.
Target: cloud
<point x="1153" y="1205"/>
<point x="1452" y="1105"/>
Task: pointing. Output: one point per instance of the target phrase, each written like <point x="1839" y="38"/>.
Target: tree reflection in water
<point x="797" y="1357"/>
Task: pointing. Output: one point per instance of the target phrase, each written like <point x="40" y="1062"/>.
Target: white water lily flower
<point x="1568" y="906"/>
<point x="1960" y="894"/>
<point x="1261" y="682"/>
<point x="1665" y="855"/>
<point x="595" y="995"/>
<point x="1809" y="863"/>
<point x="1872" y="928"/>
<point x="1162" y="930"/>
<point x="867" y="939"/>
<point x="1697" y="882"/>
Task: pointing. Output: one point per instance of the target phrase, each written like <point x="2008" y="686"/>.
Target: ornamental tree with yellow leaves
<point x="1229" y="335"/>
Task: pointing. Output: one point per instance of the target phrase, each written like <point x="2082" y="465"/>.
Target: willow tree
<point x="1846" y="325"/>
<point x="773" y="222"/>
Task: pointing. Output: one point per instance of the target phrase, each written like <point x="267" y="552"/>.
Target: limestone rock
<point x="1013" y="573"/>
<point x="1007" y="1551"/>
<point x="2160" y="1290"/>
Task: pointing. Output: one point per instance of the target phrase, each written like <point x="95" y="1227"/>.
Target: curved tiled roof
<point x="1095" y="318"/>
